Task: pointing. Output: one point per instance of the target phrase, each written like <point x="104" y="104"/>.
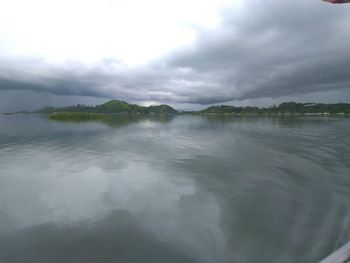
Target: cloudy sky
<point x="186" y="53"/>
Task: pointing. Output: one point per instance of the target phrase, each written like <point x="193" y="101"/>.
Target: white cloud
<point x="133" y="31"/>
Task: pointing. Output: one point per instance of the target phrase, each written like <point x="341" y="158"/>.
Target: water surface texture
<point x="182" y="189"/>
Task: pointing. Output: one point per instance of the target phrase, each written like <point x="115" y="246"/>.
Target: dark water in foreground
<point x="187" y="189"/>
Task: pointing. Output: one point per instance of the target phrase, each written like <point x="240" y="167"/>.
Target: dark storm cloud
<point x="276" y="48"/>
<point x="265" y="49"/>
<point x="110" y="80"/>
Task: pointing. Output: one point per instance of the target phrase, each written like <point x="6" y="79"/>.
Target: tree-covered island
<point x="104" y="111"/>
<point x="117" y="107"/>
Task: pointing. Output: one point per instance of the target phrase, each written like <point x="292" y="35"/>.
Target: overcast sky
<point x="186" y="53"/>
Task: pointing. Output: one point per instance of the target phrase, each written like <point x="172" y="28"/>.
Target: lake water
<point x="182" y="189"/>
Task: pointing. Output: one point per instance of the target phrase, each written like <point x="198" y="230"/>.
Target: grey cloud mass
<point x="266" y="49"/>
<point x="277" y="48"/>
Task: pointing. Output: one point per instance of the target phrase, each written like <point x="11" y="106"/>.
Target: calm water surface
<point x="184" y="189"/>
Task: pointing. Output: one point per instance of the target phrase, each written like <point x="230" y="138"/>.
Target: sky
<point x="186" y="53"/>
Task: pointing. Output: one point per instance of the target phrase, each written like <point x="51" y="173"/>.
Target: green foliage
<point x="116" y="106"/>
<point x="231" y="109"/>
<point x="111" y="107"/>
<point x="313" y="108"/>
<point x="285" y="108"/>
<point x="122" y="107"/>
<point x="79" y="116"/>
<point x="112" y="120"/>
<point x="161" y="109"/>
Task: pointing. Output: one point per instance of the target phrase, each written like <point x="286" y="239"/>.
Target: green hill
<point x="111" y="107"/>
<point x="118" y="106"/>
<point x="161" y="109"/>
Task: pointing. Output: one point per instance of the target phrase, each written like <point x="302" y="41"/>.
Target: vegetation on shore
<point x="79" y="116"/>
<point x="286" y="108"/>
<point x="111" y="120"/>
<point x="106" y="111"/>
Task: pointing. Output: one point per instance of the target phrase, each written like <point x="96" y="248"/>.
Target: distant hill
<point x="286" y="108"/>
<point x="112" y="107"/>
<point x="283" y="108"/>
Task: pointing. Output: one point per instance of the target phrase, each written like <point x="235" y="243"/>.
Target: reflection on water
<point x="118" y="121"/>
<point x="185" y="189"/>
<point x="118" y="236"/>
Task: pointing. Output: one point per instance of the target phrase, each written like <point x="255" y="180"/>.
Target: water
<point x="183" y="189"/>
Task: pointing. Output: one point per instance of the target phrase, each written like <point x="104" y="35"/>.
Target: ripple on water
<point x="200" y="189"/>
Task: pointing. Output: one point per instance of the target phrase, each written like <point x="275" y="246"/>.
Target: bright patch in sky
<point x="133" y="32"/>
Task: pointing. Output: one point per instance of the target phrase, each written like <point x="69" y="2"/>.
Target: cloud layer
<point x="261" y="49"/>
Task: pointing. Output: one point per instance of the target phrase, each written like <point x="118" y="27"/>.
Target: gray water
<point x="182" y="189"/>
